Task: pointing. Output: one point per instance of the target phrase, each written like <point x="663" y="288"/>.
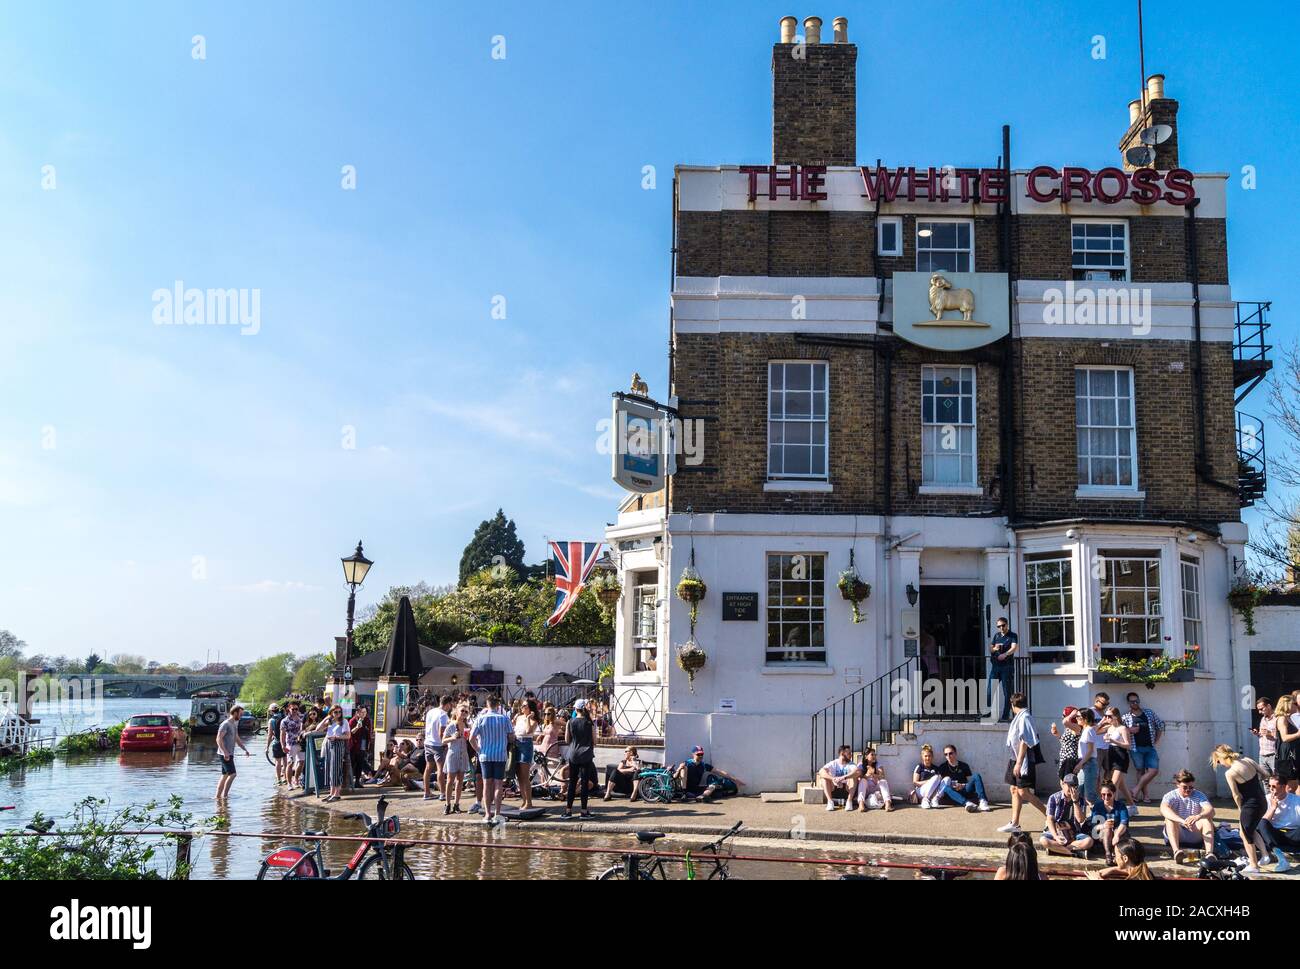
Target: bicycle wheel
<point x="372" y="870"/>
<point x="657" y="789"/>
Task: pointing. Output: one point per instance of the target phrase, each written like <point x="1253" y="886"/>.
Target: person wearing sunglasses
<point x="1188" y="817"/>
<point x="1002" y="667"/>
<point x="1146" y="729"/>
<point x="1108" y="821"/>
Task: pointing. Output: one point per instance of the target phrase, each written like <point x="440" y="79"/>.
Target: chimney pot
<point x="841" y="26"/>
<point x="1134" y="110"/>
<point x="812" y="30"/>
<point x="1156" y="87"/>
<point x="788" y="25"/>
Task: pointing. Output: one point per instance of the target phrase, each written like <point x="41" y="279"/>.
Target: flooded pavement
<point x="254" y="806"/>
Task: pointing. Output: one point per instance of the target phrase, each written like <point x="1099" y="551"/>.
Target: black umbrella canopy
<point x="403" y="656"/>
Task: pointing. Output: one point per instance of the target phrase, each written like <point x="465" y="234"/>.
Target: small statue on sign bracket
<point x="639" y="386"/>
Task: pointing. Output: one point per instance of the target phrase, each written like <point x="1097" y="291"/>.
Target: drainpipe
<point x="1203" y="470"/>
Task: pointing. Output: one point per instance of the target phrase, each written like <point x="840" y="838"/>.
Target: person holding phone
<point x="1002" y="668"/>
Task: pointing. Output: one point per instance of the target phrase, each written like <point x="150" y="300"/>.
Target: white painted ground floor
<point x="782" y="644"/>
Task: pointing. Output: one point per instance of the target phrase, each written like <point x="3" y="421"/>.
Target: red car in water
<point x="154" y="731"/>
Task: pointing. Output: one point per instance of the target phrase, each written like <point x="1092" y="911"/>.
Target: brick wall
<point x="1166" y="429"/>
<point x="823" y="243"/>
<point x="814" y="104"/>
<point x="729" y="371"/>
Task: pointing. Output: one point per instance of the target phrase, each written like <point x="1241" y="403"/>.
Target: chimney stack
<point x="814" y="96"/>
<point x="1159" y="110"/>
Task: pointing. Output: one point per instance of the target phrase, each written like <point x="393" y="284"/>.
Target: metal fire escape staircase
<point x="1250" y="365"/>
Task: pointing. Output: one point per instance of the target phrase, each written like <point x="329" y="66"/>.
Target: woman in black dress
<point x="1243" y="776"/>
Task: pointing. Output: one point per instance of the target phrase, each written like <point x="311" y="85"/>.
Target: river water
<point x="134" y="778"/>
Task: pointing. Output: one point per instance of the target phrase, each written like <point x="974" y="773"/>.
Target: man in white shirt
<point x="1188" y="817"/>
<point x="435" y="749"/>
<point x="839" y="774"/>
<point x="1022" y="738"/>
<point x="1284" y="815"/>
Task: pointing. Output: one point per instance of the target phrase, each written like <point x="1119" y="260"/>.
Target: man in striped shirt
<point x="490" y="734"/>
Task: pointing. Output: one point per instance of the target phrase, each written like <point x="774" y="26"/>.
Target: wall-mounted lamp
<point x="519" y="680"/>
<point x="1192" y="537"/>
<point x="912" y="594"/>
<point x="454" y="679"/>
<point x="1004" y="595"/>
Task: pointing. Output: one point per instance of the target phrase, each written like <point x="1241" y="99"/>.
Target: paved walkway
<point x="974" y="834"/>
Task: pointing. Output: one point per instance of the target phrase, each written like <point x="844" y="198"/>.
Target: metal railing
<point x="935" y="688"/>
<point x="1252" y="461"/>
<point x="638" y="711"/>
<point x="1249" y="342"/>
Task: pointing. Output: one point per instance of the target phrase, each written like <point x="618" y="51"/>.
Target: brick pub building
<point x="1059" y="446"/>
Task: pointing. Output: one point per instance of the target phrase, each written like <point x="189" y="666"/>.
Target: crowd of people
<point x="1101" y="746"/>
<point x="491" y="750"/>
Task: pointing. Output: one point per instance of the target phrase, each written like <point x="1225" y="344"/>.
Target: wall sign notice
<point x="740" y="607"/>
<point x="727" y="705"/>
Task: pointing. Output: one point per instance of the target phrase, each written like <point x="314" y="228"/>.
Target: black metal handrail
<point x="1252" y="461"/>
<point x="1252" y="325"/>
<point x="936" y="688"/>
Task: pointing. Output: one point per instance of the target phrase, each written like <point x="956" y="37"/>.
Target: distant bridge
<point x="181" y="685"/>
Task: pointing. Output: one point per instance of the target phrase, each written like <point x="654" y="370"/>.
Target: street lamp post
<point x="355" y="567"/>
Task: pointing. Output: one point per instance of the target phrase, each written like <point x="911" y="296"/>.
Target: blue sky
<point x="181" y="491"/>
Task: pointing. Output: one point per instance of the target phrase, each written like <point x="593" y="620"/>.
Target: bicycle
<point x="658" y="786"/>
<point x="385" y="863"/>
<point x="637" y="867"/>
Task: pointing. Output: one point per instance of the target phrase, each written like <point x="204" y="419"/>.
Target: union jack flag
<point x="573" y="564"/>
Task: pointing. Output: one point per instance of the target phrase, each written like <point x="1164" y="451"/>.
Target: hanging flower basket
<point x="691" y="589"/>
<point x="607" y="589"/>
<point x="854" y="590"/>
<point x="1244" y="597"/>
<point x="691" y="658"/>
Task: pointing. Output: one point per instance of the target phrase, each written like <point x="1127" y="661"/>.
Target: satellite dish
<point x="1157" y="134"/>
<point x="1140" y="156"/>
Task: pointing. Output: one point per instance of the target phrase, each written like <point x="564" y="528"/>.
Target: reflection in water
<point x="127" y="779"/>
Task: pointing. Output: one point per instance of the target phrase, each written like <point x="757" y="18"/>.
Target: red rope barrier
<point x="577" y="849"/>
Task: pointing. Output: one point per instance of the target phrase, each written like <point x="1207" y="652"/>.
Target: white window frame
<point x="1065" y="590"/>
<point x="1124" y="270"/>
<point x="1124" y="562"/>
<point x="973" y="425"/>
<point x="1193" y="605"/>
<point x="824" y="420"/>
<point x="794" y="657"/>
<point x="897" y="222"/>
<point x="1086" y="488"/>
<point x="970" y="251"/>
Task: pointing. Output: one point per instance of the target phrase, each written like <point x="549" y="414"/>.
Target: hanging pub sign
<point x="951" y="311"/>
<point x="640" y="446"/>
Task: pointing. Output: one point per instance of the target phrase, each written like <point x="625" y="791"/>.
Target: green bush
<point x="90" y="846"/>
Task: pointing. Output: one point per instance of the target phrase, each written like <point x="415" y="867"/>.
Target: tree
<point x="11" y="647"/>
<point x="269" y="678"/>
<point x="126" y="663"/>
<point x="312" y="673"/>
<point x="495" y="542"/>
<point x="1277" y="544"/>
<point x="92" y="662"/>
